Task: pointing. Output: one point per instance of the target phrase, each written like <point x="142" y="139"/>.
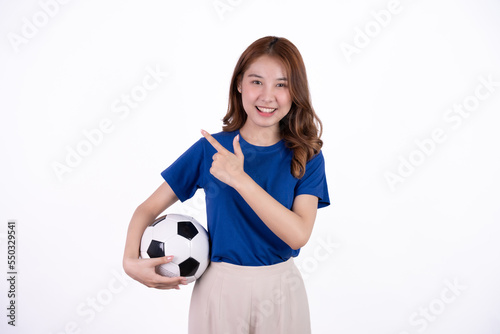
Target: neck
<point x="260" y="137"/>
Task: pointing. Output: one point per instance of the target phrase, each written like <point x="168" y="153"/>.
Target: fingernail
<point x="170" y="257"/>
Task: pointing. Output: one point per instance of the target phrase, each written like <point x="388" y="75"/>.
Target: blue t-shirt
<point x="237" y="234"/>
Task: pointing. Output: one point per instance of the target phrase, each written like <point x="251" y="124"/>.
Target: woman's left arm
<point x="293" y="226"/>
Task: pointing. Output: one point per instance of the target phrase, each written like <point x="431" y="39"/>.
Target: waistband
<point x="253" y="271"/>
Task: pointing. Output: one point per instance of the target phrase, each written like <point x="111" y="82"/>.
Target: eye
<point x="281" y="85"/>
<point x="257" y="82"/>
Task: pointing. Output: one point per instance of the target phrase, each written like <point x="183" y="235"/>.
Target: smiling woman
<point x="299" y="127"/>
<point x="264" y="179"/>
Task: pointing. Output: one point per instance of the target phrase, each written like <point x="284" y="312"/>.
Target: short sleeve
<point x="185" y="175"/>
<point x="314" y="181"/>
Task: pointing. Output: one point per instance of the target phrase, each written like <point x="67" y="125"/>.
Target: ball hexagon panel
<point x="164" y="231"/>
<point x="200" y="247"/>
<point x="168" y="269"/>
<point x="179" y="247"/>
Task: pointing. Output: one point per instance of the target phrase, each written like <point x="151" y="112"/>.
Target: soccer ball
<point x="180" y="236"/>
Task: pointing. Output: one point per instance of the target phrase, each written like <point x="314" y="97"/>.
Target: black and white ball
<point x="180" y="236"/>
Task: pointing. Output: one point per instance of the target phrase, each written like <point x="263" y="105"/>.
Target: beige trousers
<point x="231" y="299"/>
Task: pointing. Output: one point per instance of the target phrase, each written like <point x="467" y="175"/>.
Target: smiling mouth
<point x="266" y="110"/>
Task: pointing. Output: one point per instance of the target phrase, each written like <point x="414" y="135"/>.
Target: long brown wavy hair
<point x="301" y="128"/>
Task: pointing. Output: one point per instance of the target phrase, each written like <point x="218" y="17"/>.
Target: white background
<point x="381" y="258"/>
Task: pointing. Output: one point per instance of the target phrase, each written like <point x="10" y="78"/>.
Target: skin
<point x="263" y="85"/>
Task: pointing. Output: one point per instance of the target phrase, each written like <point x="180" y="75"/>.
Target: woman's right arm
<point x="143" y="270"/>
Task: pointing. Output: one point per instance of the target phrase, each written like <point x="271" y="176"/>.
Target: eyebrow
<point x="261" y="77"/>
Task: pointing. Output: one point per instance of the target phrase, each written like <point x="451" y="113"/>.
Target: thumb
<point x="237" y="148"/>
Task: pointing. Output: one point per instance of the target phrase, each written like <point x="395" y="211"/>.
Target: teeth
<point x="266" y="110"/>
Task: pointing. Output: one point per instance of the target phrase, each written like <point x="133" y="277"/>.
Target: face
<point x="265" y="94"/>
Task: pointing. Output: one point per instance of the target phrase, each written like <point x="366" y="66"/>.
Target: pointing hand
<point x="226" y="166"/>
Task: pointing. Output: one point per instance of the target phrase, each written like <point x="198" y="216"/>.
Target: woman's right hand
<point x="143" y="271"/>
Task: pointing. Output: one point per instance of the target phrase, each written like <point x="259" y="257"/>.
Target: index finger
<point x="213" y="142"/>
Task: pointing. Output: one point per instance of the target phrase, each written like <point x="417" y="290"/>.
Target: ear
<point x="238" y="83"/>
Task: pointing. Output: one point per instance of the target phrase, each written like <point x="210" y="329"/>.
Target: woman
<point x="264" y="179"/>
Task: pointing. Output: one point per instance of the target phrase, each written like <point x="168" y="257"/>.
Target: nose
<point x="268" y="94"/>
